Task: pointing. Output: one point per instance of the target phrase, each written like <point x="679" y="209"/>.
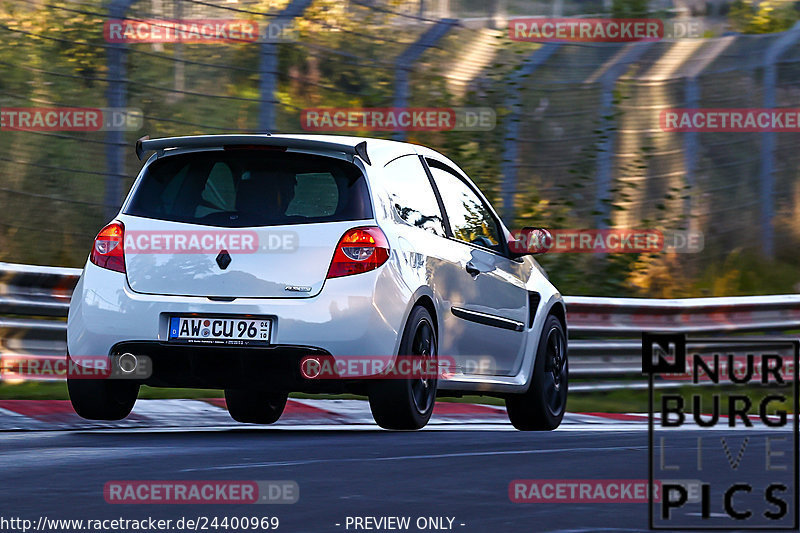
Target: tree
<point x="749" y="16"/>
<point x="629" y="8"/>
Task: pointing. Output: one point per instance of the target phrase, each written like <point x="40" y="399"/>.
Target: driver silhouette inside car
<point x="265" y="195"/>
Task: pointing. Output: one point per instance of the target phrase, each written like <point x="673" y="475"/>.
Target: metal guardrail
<point x="605" y="333"/>
<point x="34" y="302"/>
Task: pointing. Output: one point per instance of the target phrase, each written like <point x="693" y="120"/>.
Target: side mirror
<point x="530" y="241"/>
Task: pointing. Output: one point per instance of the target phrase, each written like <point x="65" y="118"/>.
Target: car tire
<point x="102" y="399"/>
<point x="542" y="407"/>
<point x="255" y="406"/>
<point x="407" y="404"/>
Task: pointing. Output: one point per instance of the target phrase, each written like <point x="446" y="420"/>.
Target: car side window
<point x="470" y="219"/>
<point x="412" y="196"/>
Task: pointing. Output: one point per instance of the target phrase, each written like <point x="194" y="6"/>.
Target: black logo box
<point x="677" y="365"/>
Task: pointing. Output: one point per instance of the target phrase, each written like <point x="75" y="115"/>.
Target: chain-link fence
<point x="582" y="111"/>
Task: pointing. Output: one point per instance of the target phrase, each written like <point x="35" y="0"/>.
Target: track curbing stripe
<point x="16" y="415"/>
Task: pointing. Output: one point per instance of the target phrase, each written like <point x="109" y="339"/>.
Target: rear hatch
<point x="240" y="223"/>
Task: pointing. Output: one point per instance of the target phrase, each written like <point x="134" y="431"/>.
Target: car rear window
<point x="239" y="188"/>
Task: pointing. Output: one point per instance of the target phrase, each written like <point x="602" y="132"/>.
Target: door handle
<point x="472" y="269"/>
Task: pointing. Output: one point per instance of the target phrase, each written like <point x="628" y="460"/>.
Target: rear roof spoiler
<point x="145" y="144"/>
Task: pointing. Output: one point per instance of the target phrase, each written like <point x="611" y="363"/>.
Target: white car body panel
<point x="357" y="315"/>
<point x="264" y="273"/>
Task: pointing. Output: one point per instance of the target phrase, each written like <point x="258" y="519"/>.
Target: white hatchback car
<point x="250" y="262"/>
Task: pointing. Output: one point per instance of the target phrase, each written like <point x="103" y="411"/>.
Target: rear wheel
<point x="255" y="406"/>
<point x="102" y="399"/>
<point x="542" y="407"/>
<point x="408" y="403"/>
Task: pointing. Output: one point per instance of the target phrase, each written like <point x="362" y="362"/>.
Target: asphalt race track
<point x="460" y="471"/>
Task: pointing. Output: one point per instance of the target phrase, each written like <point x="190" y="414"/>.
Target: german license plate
<point x="230" y="331"/>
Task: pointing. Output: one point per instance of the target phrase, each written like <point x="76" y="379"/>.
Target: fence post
<point x="690" y="138"/>
<point x="611" y="72"/>
<point x="116" y="97"/>
<point x="766" y="189"/>
<point x="508" y="169"/>
<point x="690" y="149"/>
<point x="268" y="65"/>
<point x="405" y="63"/>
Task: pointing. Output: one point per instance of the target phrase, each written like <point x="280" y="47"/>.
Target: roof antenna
<point x="361" y="151"/>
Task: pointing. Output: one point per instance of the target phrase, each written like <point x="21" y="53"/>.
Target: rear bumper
<point x="275" y="368"/>
<point x="360" y="315"/>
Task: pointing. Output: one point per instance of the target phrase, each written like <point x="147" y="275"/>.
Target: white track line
<point x="410" y="457"/>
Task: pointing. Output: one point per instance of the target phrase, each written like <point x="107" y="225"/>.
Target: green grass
<point x="57" y="390"/>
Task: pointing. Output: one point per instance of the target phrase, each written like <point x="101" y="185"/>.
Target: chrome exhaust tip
<point x="127" y="363"/>
<point x="311" y="367"/>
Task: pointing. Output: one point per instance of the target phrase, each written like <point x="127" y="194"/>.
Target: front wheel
<point x="542" y="407"/>
<point x="408" y="403"/>
<point x="255" y="406"/>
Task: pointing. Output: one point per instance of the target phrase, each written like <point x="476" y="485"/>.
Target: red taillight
<point x="359" y="250"/>
<point x="108" y="251"/>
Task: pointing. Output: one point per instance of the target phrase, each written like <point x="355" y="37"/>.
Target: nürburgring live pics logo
<point x="723" y="432"/>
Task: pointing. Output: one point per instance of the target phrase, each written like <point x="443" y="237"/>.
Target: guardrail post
<point x="766" y="179"/>
<point x="268" y="67"/>
<point x="508" y="169"/>
<point x="116" y="97"/>
<point x="405" y="63"/>
<point x="615" y="68"/>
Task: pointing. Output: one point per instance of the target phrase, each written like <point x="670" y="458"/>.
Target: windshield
<point x="240" y="188"/>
